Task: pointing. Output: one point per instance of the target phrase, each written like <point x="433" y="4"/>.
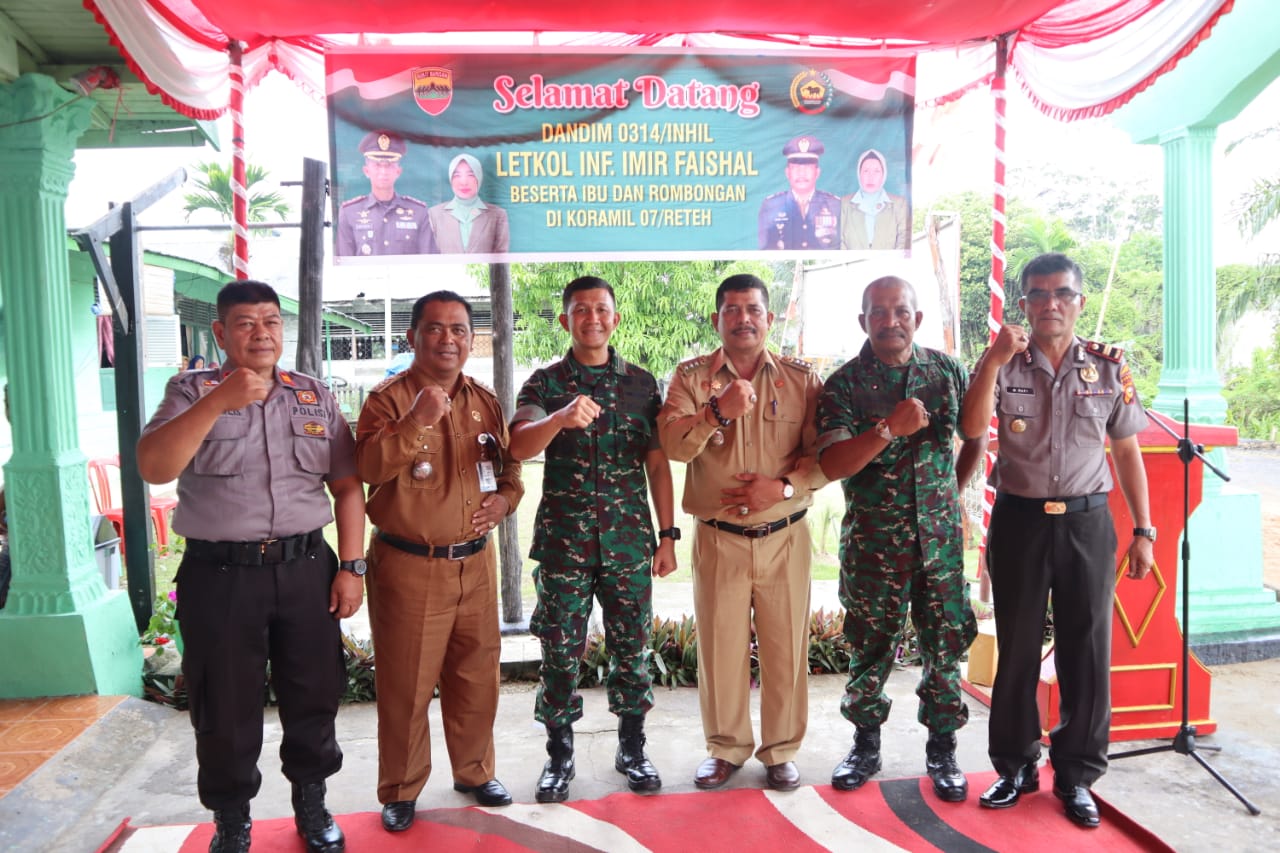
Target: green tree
<point x="213" y="192"/>
<point x="665" y="306"/>
<point x="1253" y="393"/>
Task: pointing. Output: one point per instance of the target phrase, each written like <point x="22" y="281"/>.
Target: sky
<point x="283" y="125"/>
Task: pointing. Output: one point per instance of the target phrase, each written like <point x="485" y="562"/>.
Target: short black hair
<point x="741" y="281"/>
<point x="244" y="293"/>
<point x="1048" y="264"/>
<point x="585" y="282"/>
<point x="440" y="296"/>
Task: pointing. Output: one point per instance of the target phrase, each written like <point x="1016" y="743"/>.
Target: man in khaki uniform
<point x="743" y="419"/>
<point x="432" y="444"/>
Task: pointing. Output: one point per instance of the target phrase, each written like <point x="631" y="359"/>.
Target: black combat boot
<point x="631" y="760"/>
<point x="553" y="784"/>
<point x="313" y="821"/>
<point x="231" y="830"/>
<point x="940" y="763"/>
<point x="861" y="763"/>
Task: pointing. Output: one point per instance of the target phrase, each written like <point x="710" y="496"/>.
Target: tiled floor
<point x="33" y="730"/>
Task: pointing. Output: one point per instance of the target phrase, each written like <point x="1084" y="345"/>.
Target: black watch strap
<point x="672" y="533"/>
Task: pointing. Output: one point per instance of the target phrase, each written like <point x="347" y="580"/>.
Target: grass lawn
<point x="824" y="524"/>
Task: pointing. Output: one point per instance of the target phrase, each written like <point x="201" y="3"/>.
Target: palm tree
<point x="213" y="184"/>
<point x="1260" y="206"/>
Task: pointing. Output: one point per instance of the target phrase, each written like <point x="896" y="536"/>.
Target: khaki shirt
<point x="259" y="472"/>
<point x="437" y="509"/>
<point x="1053" y="427"/>
<point x="777" y="438"/>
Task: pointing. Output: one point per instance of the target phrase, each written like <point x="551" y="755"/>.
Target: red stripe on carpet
<point x="739" y="819"/>
<point x="903" y="812"/>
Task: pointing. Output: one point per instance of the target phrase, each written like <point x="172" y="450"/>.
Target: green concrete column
<point x="62" y="632"/>
<point x="1190" y="317"/>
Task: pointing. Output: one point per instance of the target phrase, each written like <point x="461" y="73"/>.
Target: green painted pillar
<point x="1190" y="316"/>
<point x="1228" y="600"/>
<point x="62" y="632"/>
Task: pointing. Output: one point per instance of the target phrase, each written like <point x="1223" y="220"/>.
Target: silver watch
<point x="883" y="430"/>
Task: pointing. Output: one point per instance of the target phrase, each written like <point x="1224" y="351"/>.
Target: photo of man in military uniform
<point x="802" y="216"/>
<point x="383" y="222"/>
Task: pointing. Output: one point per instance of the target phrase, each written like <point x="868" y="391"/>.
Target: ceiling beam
<point x="10" y="28"/>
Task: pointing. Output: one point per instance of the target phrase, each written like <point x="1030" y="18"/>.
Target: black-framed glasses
<point x="489" y="450"/>
<point x="1065" y="295"/>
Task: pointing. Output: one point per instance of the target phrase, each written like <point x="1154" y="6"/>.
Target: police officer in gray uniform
<point x="803" y="216"/>
<point x="384" y="222"/>
<point x="252" y="448"/>
<point x="1058" y="399"/>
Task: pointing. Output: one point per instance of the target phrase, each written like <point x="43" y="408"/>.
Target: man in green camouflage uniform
<point x="595" y="415"/>
<point x="886" y="423"/>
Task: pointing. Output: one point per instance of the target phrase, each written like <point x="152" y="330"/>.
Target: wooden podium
<point x="1146" y="645"/>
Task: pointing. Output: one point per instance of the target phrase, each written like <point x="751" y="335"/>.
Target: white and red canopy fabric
<point x="1074" y="58"/>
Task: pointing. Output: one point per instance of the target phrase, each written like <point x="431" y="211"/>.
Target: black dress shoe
<point x="713" y="772"/>
<point x="1079" y="805"/>
<point x="1005" y="791"/>
<point x="398" y="816"/>
<point x="491" y="793"/>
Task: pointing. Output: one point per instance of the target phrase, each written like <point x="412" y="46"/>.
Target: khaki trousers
<point x="434" y="622"/>
<point x="735" y="578"/>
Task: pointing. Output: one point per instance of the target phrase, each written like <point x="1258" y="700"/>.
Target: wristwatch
<point x="883" y="430"/>
<point x="1149" y="532"/>
<point x="788" y="490"/>
<point x="356" y="567"/>
<point x="672" y="533"/>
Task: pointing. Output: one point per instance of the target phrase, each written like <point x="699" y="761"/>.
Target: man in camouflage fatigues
<point x="595" y="416"/>
<point x="887" y="421"/>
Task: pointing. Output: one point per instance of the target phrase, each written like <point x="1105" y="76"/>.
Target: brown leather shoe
<point x="713" y="772"/>
<point x="783" y="777"/>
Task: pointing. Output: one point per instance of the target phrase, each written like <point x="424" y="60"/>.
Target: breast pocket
<point x="429" y="462"/>
<point x="1090" y="428"/>
<point x="311" y="445"/>
<point x="782" y="432"/>
<point x="221" y="454"/>
<point x="1021" y="418"/>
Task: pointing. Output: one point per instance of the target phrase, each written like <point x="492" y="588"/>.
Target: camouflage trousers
<point x="560" y="621"/>
<point x="876" y="608"/>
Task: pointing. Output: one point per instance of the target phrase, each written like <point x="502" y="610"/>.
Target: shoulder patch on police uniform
<point x="692" y="364"/>
<point x="1107" y="351"/>
<point x="305" y="398"/>
<point x="355" y="200"/>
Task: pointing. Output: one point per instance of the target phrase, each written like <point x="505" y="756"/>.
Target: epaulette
<point x="389" y="381"/>
<point x="485" y="388"/>
<point x="776" y="195"/>
<point x="798" y="363"/>
<point x="358" y="198"/>
<point x="415" y="200"/>
<point x="692" y="364"/>
<point x="1107" y="351"/>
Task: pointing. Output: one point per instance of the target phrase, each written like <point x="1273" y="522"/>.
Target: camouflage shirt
<point x="595" y="499"/>
<point x="905" y="502"/>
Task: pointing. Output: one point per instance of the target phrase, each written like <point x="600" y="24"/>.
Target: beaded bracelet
<point x="715" y="410"/>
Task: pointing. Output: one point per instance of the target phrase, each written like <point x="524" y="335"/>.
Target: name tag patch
<point x="1018" y="389"/>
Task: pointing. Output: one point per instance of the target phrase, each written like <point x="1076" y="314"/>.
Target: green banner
<point x="556" y="154"/>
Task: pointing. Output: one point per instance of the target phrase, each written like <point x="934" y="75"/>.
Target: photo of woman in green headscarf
<point x="872" y="218"/>
<point x="465" y="223"/>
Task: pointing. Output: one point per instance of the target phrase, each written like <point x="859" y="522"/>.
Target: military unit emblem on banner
<point x="433" y="89"/>
<point x="811" y="91"/>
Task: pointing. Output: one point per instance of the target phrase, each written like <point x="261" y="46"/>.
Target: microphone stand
<point x="1184" y="742"/>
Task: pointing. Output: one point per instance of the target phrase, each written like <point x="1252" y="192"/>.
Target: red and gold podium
<point x="1146" y="646"/>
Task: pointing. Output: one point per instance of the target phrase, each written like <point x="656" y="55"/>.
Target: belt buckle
<point x="262" y="546"/>
<point x="459" y="555"/>
<point x="758" y="531"/>
<point x="1055" y="507"/>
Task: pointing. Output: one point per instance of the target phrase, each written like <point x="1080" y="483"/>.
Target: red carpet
<point x="898" y="814"/>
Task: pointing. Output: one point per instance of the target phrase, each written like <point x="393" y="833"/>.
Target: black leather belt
<point x="265" y="552"/>
<point x="1054" y="506"/>
<point x="458" y="551"/>
<point x="756" y="531"/>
